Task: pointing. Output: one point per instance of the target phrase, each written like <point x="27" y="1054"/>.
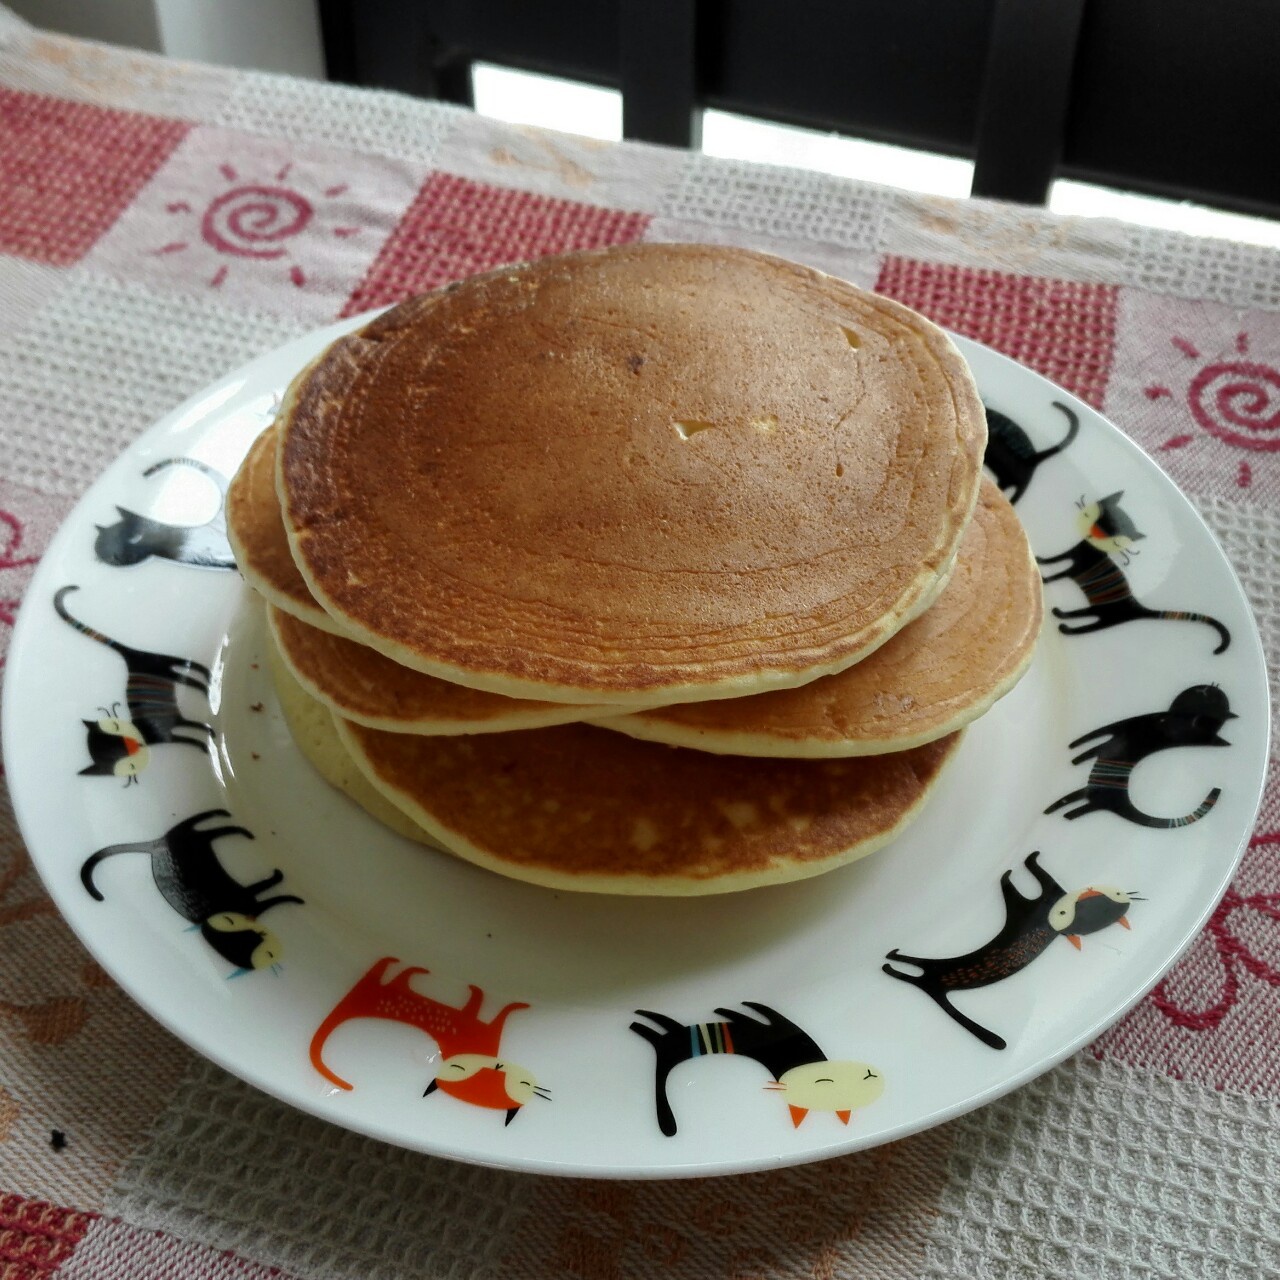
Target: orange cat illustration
<point x="470" y="1067"/>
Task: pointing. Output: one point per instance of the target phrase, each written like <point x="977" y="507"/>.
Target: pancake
<point x="316" y="736"/>
<point x="935" y="676"/>
<point x="645" y="475"/>
<point x="576" y="807"/>
<point x="370" y="689"/>
<point x="258" y="539"/>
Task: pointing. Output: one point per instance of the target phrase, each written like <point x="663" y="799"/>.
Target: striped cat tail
<point x="1224" y="636"/>
<point x="59" y="604"/>
<point x="1168" y="824"/>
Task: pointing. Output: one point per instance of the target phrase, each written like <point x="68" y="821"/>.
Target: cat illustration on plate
<point x="1011" y="457"/>
<point x="1107" y="531"/>
<point x="1194" y="719"/>
<point x="135" y="538"/>
<point x="1032" y="924"/>
<point x="800" y="1071"/>
<point x="120" y="744"/>
<point x="191" y="879"/>
<point x="472" y="1066"/>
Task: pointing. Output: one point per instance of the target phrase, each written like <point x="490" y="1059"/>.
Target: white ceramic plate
<point x="811" y="953"/>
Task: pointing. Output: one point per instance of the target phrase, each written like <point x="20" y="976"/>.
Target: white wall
<point x="270" y="35"/>
<point x="130" y="22"/>
<point x="273" y="35"/>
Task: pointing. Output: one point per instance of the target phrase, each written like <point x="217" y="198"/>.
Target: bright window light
<point x="520" y="97"/>
<point x="741" y="138"/>
<point x="1086" y="200"/>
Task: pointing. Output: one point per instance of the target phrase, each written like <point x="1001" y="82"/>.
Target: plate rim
<point x="223" y="389"/>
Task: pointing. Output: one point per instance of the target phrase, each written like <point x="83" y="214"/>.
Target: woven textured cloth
<point x="129" y="278"/>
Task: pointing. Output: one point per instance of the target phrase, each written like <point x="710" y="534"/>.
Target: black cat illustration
<point x="135" y="538"/>
<point x="120" y="746"/>
<point x="1011" y="457"/>
<point x="195" y="884"/>
<point x="1193" y="720"/>
<point x="800" y="1070"/>
<point x="1031" y="924"/>
<point x="1107" y="531"/>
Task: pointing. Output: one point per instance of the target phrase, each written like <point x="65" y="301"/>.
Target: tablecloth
<point x="162" y="222"/>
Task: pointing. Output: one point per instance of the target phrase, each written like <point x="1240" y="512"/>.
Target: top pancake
<point x="348" y="678"/>
<point x="938" y="674"/>
<point x="652" y="474"/>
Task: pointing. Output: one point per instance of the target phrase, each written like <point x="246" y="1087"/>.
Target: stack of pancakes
<point x="663" y="569"/>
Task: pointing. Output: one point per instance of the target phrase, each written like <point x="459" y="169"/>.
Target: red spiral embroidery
<point x="1234" y="956"/>
<point x="1239" y="402"/>
<point x="9" y="558"/>
<point x="250" y="221"/>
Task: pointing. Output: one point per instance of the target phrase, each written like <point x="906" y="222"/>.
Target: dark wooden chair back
<point x="1177" y="98"/>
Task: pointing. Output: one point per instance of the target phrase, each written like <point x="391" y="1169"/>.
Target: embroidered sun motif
<point x="254" y="220"/>
<point x="1235" y="400"/>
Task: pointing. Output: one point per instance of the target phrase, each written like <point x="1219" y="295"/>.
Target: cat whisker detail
<point x="1032" y="922"/>
<point x="797" y="1066"/>
<point x="469" y="1067"/>
<point x="120" y="744"/>
<point x="192" y="880"/>
<point x="1096" y="565"/>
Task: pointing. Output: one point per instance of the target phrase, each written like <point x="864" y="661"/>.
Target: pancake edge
<point x="766" y="745"/>
<point x="634" y="886"/>
<point x="762" y="745"/>
<point x="554" y="715"/>
<point x="278" y="600"/>
<point x="393" y="820"/>
<point x="311" y="613"/>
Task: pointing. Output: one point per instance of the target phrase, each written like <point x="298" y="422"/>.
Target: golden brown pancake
<point x="312" y="726"/>
<point x="577" y="807"/>
<point x="652" y="474"/>
<point x="258" y="539"/>
<point x="938" y="674"/>
<point x="370" y="689"/>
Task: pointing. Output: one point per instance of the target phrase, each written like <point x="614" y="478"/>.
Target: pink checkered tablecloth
<point x="128" y="280"/>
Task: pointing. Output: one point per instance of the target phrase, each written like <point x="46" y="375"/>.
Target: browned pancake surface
<point x="583" y="808"/>
<point x="362" y="685"/>
<point x="934" y="676"/>
<point x="651" y="474"/>
<point x="258" y="538"/>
